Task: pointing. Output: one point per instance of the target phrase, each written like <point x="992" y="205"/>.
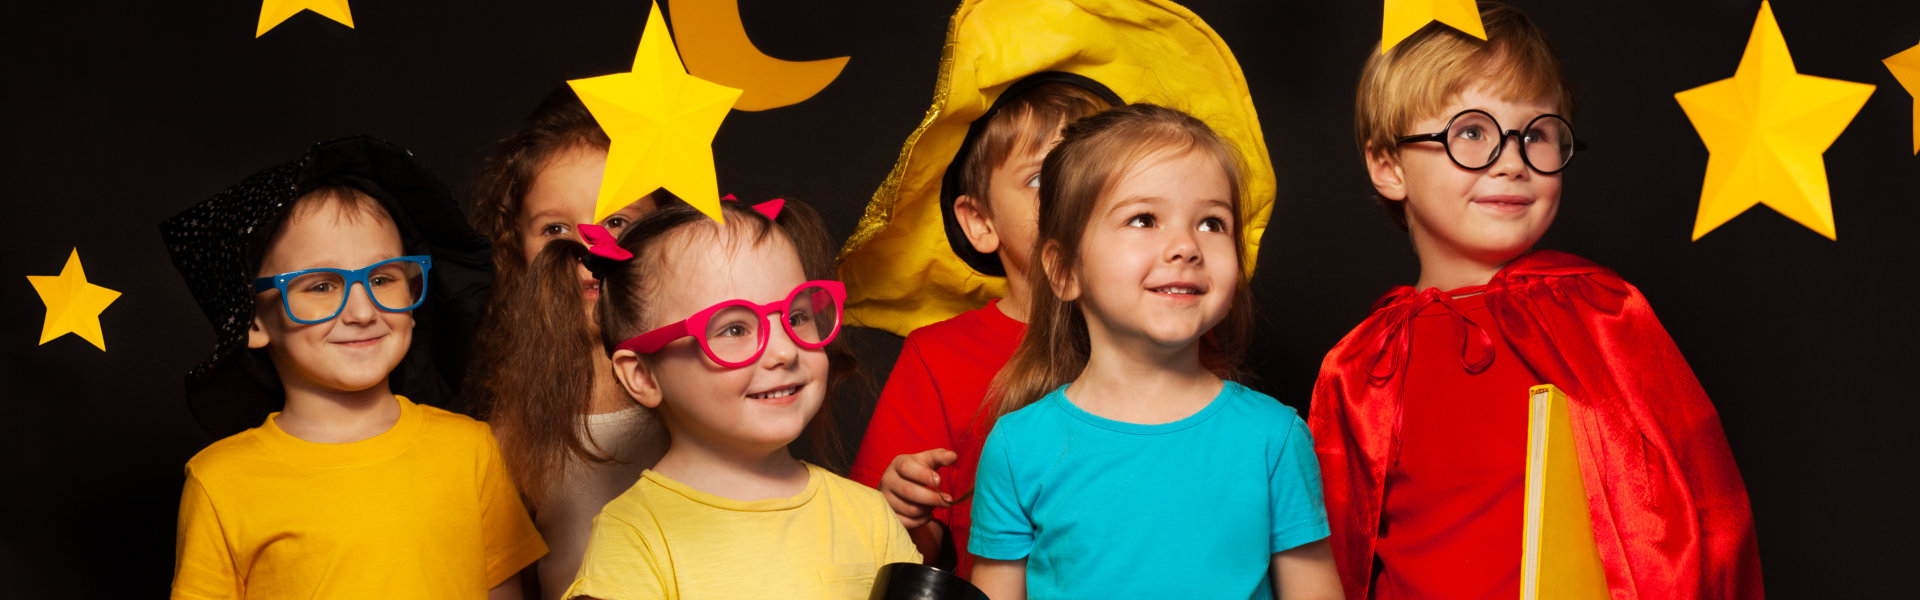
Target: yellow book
<point x="1558" y="559"/>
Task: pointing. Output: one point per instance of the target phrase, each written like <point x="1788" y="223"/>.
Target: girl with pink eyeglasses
<point x="724" y="331"/>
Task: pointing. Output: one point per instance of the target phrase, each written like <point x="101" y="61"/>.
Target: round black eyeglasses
<point x="1473" y="140"/>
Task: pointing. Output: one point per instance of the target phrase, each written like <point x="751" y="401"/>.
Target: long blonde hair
<point x="1094" y="154"/>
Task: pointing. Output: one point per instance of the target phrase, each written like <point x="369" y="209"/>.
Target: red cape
<point x="1670" y="513"/>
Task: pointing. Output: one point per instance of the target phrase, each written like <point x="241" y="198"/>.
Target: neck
<point x="331" y="417"/>
<point x="733" y="473"/>
<point x="1015" y="305"/>
<point x="1141" y="382"/>
<point x="607" y="395"/>
<point x="1453" y="270"/>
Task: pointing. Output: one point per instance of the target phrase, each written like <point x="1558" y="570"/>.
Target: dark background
<point x="117" y="117"/>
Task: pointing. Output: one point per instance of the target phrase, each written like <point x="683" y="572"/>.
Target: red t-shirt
<point x="1455" y="490"/>
<point x="932" y="400"/>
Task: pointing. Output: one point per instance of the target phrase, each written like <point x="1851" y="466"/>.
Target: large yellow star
<point x="662" y="122"/>
<point x="1404" y="17"/>
<point x="1906" y="69"/>
<point x="73" y="305"/>
<point x="1765" y="129"/>
<point x="275" y="12"/>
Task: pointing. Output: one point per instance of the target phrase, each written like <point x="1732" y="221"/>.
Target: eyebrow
<point x="1153" y="200"/>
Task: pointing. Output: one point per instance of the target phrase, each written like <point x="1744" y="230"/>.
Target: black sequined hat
<point x="235" y="388"/>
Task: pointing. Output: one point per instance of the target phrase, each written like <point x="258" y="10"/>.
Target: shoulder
<point x="841" y="489"/>
<point x="443" y="428"/>
<point x="234" y="453"/>
<point x="1557" y="279"/>
<point x="632" y="506"/>
<point x="981" y="325"/>
<point x="1254" y="410"/>
<point x="443" y="419"/>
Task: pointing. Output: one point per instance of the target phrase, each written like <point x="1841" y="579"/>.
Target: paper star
<point x="1906" y="69"/>
<point x="1404" y="17"/>
<point x="662" y="122"/>
<point x="73" y="305"/>
<point x="275" y="12"/>
<point x="1765" y="129"/>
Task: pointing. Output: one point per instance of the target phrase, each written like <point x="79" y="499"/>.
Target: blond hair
<point x="1418" y="77"/>
<point x="1093" y="156"/>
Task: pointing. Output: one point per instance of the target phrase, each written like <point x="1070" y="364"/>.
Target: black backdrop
<point x="119" y="116"/>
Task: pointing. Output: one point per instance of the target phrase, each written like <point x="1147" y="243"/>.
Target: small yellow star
<point x="1906" y="69"/>
<point x="1765" y="130"/>
<point x="275" y="12"/>
<point x="1404" y="17"/>
<point x="73" y="305"/>
<point x="662" y="122"/>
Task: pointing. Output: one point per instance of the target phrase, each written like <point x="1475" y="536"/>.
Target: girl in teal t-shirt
<point x="1131" y="468"/>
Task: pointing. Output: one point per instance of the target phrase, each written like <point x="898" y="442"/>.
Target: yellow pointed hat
<point x="900" y="269"/>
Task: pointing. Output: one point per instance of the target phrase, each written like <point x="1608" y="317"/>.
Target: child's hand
<point x="911" y="485"/>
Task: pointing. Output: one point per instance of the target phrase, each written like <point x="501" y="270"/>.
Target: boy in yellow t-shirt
<point x="350" y="491"/>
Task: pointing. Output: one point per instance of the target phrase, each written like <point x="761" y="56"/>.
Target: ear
<point x="1389" y="179"/>
<point x="1065" y="286"/>
<point x="633" y="375"/>
<point x="975" y="220"/>
<point x="257" y="337"/>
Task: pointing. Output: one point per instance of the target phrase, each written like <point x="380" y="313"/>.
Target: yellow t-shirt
<point x="662" y="539"/>
<point x="424" y="510"/>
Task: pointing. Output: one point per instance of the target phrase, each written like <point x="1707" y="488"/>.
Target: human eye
<point x="1141" y="220"/>
<point x="735" y="329"/>
<point x="554" y="229"/>
<point x="1213" y="225"/>
<point x="797" y="318"/>
<point x="1033" y="181"/>
<point x="320" y="287"/>
<point x="617" y="222"/>
<point x="1472" y="132"/>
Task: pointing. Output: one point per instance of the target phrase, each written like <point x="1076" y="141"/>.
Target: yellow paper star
<point x="662" y="122"/>
<point x="1404" y="17"/>
<point x="1906" y="69"/>
<point x="1765" y="129"/>
<point x="275" y="12"/>
<point x="73" y="305"/>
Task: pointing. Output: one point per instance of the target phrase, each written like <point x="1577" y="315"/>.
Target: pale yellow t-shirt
<point x="423" y="510"/>
<point x="662" y="539"/>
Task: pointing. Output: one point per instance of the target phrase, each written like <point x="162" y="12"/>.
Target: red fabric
<point x="1670" y="513"/>
<point x="932" y="400"/>
<point x="1455" y="492"/>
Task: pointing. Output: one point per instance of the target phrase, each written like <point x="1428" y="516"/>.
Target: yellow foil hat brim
<point x="900" y="272"/>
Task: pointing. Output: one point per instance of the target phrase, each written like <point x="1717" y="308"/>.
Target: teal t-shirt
<point x="1195" y="508"/>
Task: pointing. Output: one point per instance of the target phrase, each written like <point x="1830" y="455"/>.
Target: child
<point x="943" y="253"/>
<point x="723" y="330"/>
<point x="571" y="443"/>
<point x="926" y="411"/>
<point x="1419" y="414"/>
<point x="349" y="491"/>
<point x="1121" y="463"/>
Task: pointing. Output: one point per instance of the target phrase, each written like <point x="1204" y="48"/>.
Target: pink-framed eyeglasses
<point x="734" y="333"/>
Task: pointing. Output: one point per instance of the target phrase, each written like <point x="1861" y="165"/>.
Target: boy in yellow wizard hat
<point x="932" y="256"/>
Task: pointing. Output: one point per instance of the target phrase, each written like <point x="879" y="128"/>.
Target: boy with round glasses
<point x="349" y="491"/>
<point x="1420" y="414"/>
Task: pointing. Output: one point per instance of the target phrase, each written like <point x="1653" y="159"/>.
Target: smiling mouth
<point x="777" y="393"/>
<point x="361" y="343"/>
<point x="1178" y="290"/>
<point x="1505" y="201"/>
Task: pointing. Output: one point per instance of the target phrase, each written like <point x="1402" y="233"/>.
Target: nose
<point x="1512" y="160"/>
<point x="359" y="309"/>
<point x="1183" y="246"/>
<point x="780" y="352"/>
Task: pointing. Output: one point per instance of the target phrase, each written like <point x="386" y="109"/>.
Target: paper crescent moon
<point x="714" y="45"/>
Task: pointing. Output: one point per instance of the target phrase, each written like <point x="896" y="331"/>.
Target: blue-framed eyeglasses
<point x="318" y="295"/>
